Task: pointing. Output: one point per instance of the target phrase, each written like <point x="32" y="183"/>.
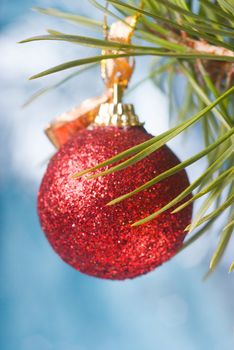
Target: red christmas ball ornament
<point x="97" y="239"/>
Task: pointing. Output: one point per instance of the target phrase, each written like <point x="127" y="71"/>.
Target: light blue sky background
<point x="45" y="304"/>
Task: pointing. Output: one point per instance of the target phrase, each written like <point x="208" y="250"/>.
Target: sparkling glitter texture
<point x="97" y="239"/>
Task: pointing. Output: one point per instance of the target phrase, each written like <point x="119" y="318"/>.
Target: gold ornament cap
<point x="117" y="113"/>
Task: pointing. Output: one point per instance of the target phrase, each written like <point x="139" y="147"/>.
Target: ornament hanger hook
<point x="117" y="94"/>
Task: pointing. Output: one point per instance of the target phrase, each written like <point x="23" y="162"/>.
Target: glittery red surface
<point x="97" y="239"/>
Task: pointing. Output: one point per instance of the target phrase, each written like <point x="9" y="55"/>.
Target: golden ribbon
<point x="114" y="71"/>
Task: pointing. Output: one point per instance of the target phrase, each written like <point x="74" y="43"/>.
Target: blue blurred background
<point x="45" y="304"/>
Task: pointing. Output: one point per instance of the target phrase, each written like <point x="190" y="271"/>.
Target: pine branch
<point x="199" y="46"/>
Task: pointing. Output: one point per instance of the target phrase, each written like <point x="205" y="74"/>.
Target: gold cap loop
<point x="117" y="113"/>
